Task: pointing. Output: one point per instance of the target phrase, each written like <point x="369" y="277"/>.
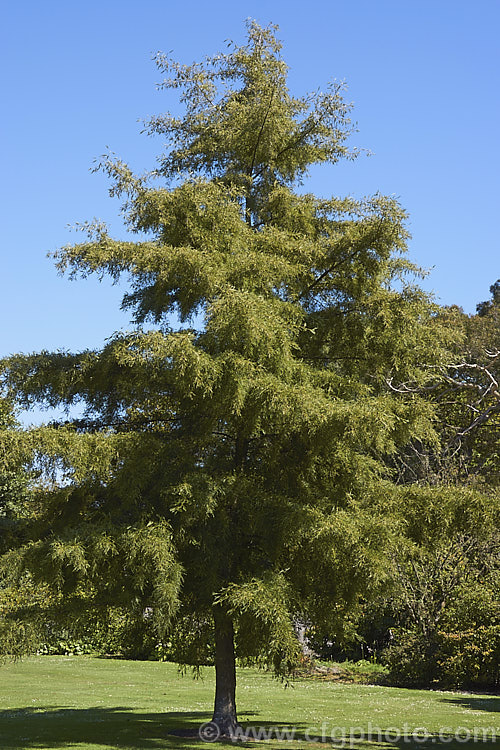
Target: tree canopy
<point x="230" y="468"/>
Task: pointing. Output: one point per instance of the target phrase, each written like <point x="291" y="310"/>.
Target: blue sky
<point x="77" y="77"/>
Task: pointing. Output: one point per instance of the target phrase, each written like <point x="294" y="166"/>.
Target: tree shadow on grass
<point x="122" y="727"/>
<point x="117" y="727"/>
<point x="392" y="738"/>
<point x="476" y="702"/>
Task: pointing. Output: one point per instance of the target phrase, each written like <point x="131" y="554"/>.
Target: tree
<point x="444" y="603"/>
<point x="444" y="599"/>
<point x="466" y="396"/>
<point x="478" y="378"/>
<point x="225" y="470"/>
<point x="487" y="307"/>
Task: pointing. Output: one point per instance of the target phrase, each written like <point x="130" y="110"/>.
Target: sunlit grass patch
<point x="103" y="704"/>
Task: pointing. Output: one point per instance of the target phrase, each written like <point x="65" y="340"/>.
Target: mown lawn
<point x="99" y="704"/>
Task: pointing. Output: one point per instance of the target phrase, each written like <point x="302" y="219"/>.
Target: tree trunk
<point x="225" y="675"/>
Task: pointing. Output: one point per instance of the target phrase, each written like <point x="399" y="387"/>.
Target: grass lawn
<point x="99" y="704"/>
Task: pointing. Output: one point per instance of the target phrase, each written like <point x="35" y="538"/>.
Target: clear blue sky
<point x="77" y="77"/>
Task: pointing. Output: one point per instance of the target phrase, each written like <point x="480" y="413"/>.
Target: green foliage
<point x="460" y="659"/>
<point x="466" y="397"/>
<point x="241" y="461"/>
<point x="452" y="547"/>
<point x="35" y="619"/>
<point x="445" y="589"/>
<point x="191" y="641"/>
<point x="265" y="631"/>
<point x="112" y="632"/>
<point x="471" y="658"/>
<point x="14" y="483"/>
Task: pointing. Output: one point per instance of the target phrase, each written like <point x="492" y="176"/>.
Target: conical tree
<point x="231" y="455"/>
